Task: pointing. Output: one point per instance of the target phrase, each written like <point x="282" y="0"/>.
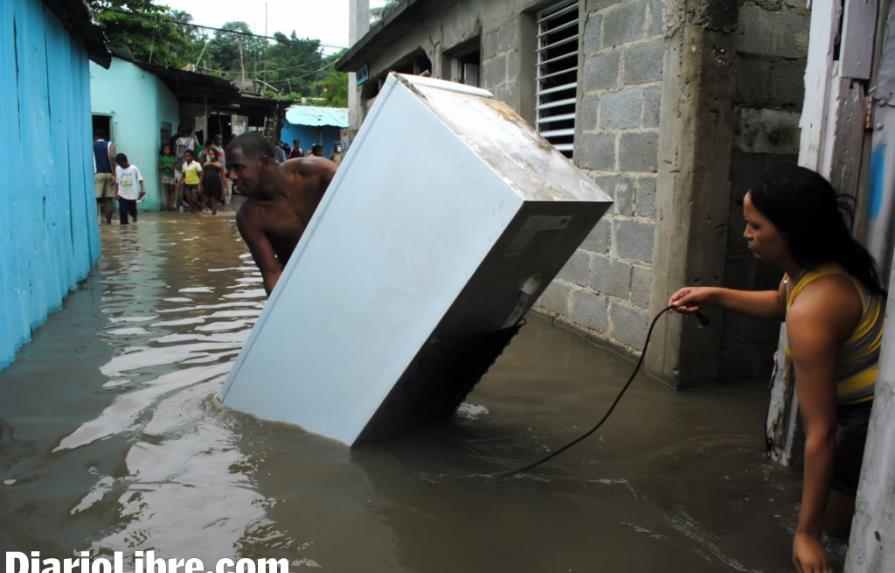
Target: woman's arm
<point x="765" y="305"/>
<point x="814" y="338"/>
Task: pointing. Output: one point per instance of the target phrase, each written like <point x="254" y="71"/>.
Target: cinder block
<point x="587" y="112"/>
<point x="623" y="23"/>
<point x="657" y="17"/>
<point x="577" y="270"/>
<point x="600" y="238"/>
<point x="513" y="65"/>
<point x="495" y="71"/>
<point x="508" y="36"/>
<point x="643" y="62"/>
<point x="639" y="151"/>
<point x="767" y="131"/>
<point x="507" y="93"/>
<point x="641" y="286"/>
<point x="634" y="240"/>
<point x="788" y="82"/>
<point x="646" y="197"/>
<point x="555" y="297"/>
<point x="621" y="110"/>
<point x="592" y="33"/>
<point x="596" y="151"/>
<point x="611" y="277"/>
<point x="652" y="105"/>
<point x="753" y="80"/>
<point x="489" y="45"/>
<point x="590" y="310"/>
<point x="601" y="71"/>
<point x="629" y="325"/>
<point x="772" y="33"/>
<point x="594" y="5"/>
<point x="621" y="189"/>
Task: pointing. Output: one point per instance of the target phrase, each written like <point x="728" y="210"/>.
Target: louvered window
<point x="557" y="74"/>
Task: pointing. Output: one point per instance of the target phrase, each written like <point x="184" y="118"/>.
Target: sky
<point x="324" y="20"/>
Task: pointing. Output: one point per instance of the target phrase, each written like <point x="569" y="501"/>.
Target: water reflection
<point x="111" y="439"/>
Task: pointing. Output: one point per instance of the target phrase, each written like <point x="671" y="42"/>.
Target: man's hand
<point x="808" y="555"/>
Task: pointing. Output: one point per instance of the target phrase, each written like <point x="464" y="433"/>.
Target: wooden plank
<point x="858" y="31"/>
<point x="841" y="161"/>
<point x="818" y="73"/>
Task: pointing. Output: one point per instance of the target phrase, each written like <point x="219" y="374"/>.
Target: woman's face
<point x="762" y="237"/>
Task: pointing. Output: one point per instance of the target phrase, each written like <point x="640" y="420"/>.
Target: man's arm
<point x="249" y="225"/>
<point x="111" y="149"/>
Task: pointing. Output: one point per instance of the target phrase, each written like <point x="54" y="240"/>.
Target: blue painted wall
<point x="138" y="103"/>
<point x="308" y="135"/>
<point x="48" y="226"/>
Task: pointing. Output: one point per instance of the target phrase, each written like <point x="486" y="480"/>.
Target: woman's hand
<point x="808" y="555"/>
<point x="690" y="299"/>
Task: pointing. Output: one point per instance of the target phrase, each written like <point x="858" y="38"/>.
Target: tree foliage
<point x="150" y="32"/>
<point x="288" y="67"/>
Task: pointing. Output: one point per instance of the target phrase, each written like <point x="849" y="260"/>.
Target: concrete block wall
<point x="500" y="59"/>
<point x="771" y="48"/>
<point x="605" y="287"/>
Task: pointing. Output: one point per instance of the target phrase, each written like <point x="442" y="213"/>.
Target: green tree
<point x="292" y="65"/>
<point x="152" y="33"/>
<point x="228" y="52"/>
<point x="332" y="86"/>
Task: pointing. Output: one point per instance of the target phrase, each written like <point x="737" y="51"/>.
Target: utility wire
<point x="703" y="321"/>
<point x="179" y="23"/>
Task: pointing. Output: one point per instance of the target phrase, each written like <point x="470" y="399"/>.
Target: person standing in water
<point x="166" y="172"/>
<point x="212" y="187"/>
<point x="103" y="178"/>
<point x="280" y="200"/>
<point x="130" y="188"/>
<point x="191" y="170"/>
<point x="832" y="302"/>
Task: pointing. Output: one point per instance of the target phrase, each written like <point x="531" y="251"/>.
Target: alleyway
<point x="111" y="439"/>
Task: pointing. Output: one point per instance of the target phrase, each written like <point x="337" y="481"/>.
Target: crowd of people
<point x="194" y="177"/>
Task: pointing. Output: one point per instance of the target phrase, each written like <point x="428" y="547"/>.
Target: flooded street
<point x="112" y="440"/>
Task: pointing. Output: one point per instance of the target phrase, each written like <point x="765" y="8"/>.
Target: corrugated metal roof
<point x="317" y="116"/>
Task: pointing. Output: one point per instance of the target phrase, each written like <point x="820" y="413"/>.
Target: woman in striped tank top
<point x="833" y="304"/>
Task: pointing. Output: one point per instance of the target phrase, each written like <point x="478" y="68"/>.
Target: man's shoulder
<point x="309" y="166"/>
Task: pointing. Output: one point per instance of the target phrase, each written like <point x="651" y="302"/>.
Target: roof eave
<point x="353" y="58"/>
<point x="75" y="15"/>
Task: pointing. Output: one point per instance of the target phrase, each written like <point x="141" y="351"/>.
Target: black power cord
<point x="703" y="321"/>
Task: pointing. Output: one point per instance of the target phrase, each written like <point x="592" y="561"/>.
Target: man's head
<point x="218" y="140"/>
<point x="99" y="134"/>
<point x="187" y="155"/>
<point x="296" y="143"/>
<point x="251" y="162"/>
<point x="121" y="160"/>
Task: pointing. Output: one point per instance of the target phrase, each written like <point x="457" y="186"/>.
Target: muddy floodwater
<point x="112" y="440"/>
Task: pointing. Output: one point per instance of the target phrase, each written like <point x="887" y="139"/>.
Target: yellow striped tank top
<point x="858" y="360"/>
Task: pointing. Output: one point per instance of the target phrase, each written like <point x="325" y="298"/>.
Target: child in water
<point x="130" y="188"/>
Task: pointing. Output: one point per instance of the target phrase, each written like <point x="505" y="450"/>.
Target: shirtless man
<point x="280" y="199"/>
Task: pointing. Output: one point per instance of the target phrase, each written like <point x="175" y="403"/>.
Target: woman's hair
<point x="213" y="150"/>
<point x="804" y="207"/>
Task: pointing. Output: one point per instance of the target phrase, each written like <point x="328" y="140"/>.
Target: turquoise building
<point x="139" y="112"/>
<point x="312" y="124"/>
<point x="48" y="227"/>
